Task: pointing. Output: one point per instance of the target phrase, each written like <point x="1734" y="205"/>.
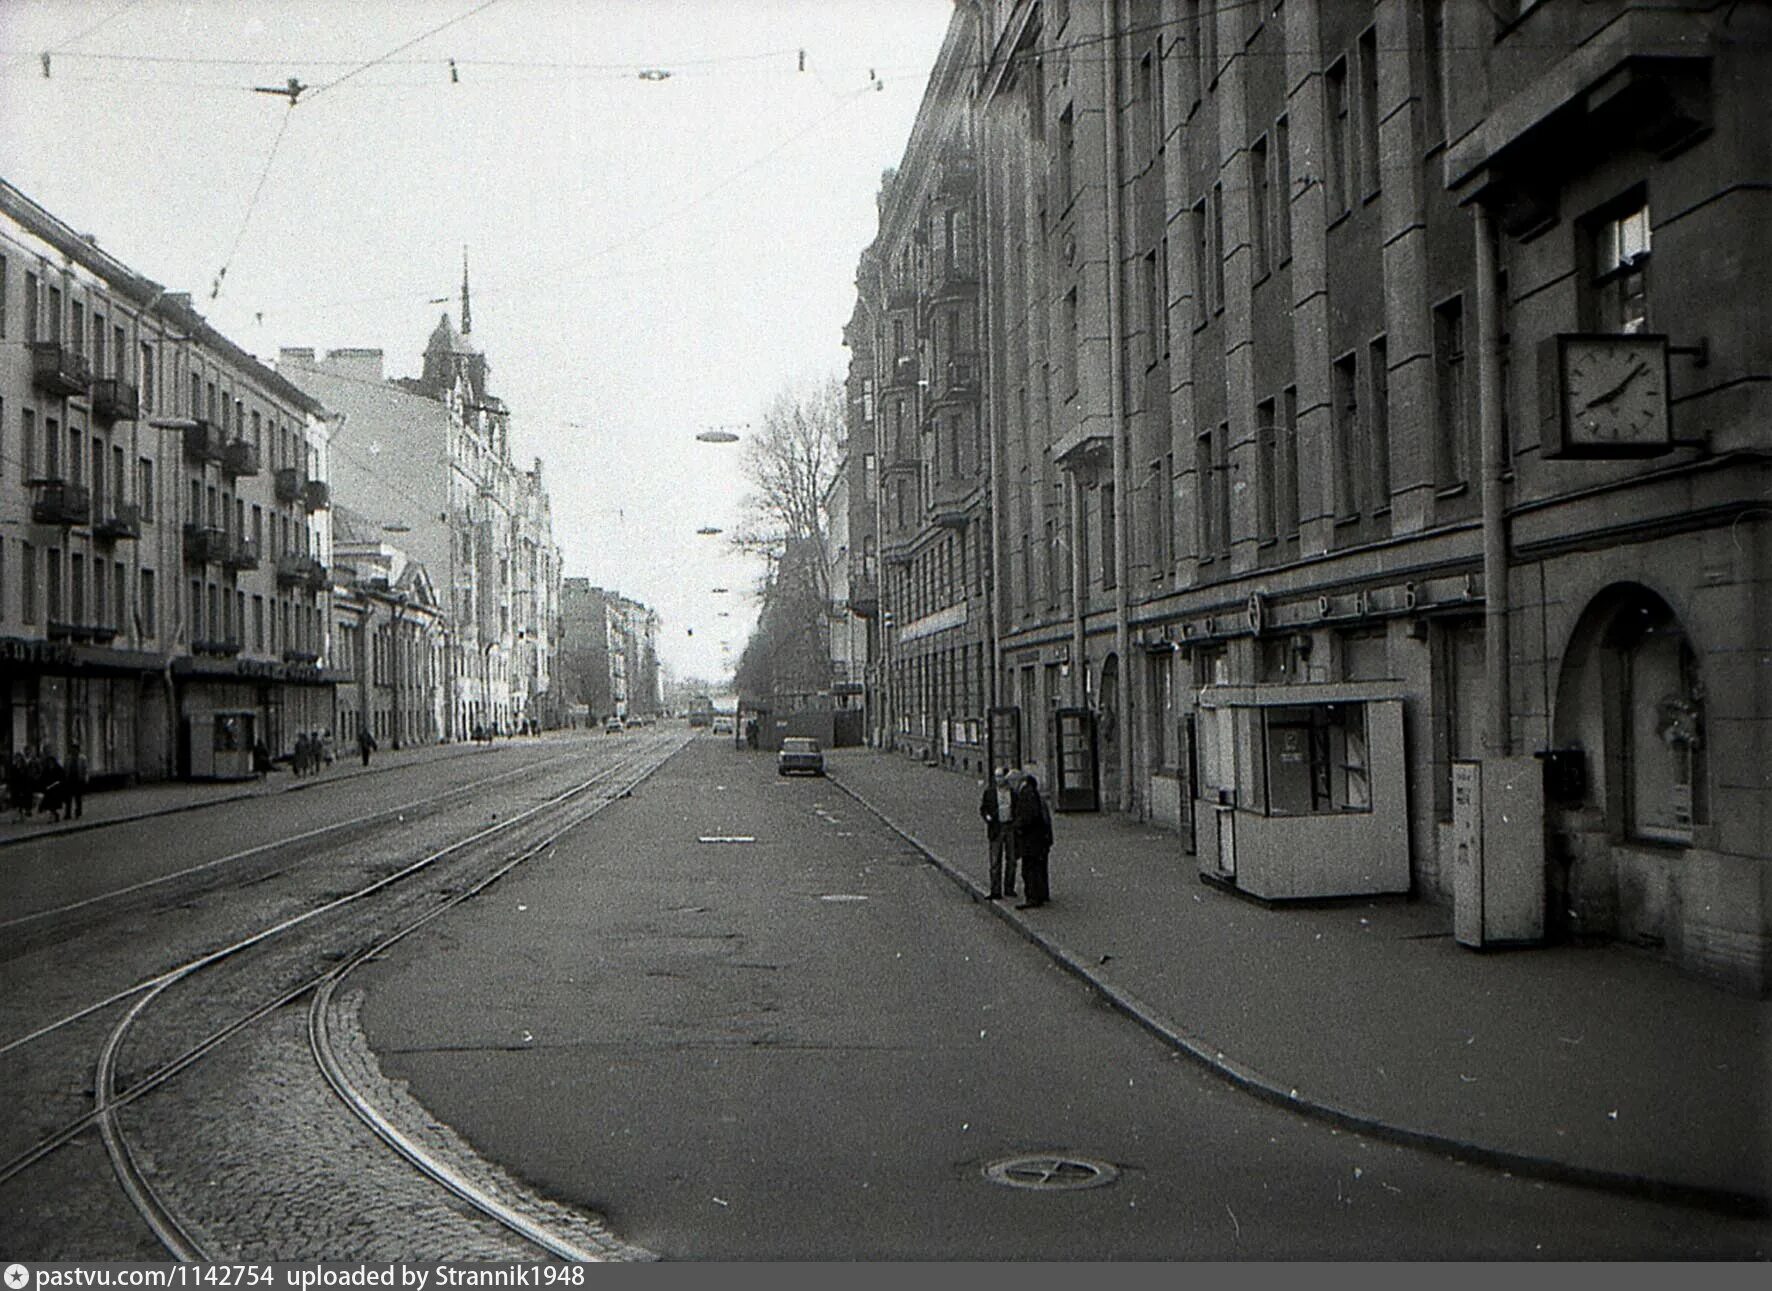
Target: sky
<point x="650" y="257"/>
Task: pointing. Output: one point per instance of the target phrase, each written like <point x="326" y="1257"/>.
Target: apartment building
<point x="1377" y="399"/>
<point x="428" y="459"/>
<point x="164" y="522"/>
<point x="919" y="413"/>
<point x="609" y="652"/>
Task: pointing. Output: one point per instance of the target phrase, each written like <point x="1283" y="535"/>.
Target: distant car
<point x="613" y="726"/>
<point x="722" y="726"/>
<point x="799" y="754"/>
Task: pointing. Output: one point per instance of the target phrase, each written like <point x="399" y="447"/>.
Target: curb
<point x="1745" y="1205"/>
<point x="83" y="825"/>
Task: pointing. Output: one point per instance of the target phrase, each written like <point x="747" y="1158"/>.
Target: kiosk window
<point x="1315" y="760"/>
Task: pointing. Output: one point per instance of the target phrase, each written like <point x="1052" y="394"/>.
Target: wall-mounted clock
<point x="1605" y="395"/>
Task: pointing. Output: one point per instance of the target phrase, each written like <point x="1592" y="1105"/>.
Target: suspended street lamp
<point x="710" y="529"/>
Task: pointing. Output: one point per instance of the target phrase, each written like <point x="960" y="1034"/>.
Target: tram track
<point x="171" y="1022"/>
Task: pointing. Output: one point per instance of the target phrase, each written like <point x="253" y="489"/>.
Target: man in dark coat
<point x="77" y="770"/>
<point x="997" y="807"/>
<point x="365" y="743"/>
<point x="1033" y="841"/>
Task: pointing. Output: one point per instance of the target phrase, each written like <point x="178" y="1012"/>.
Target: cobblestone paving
<point x="260" y="1161"/>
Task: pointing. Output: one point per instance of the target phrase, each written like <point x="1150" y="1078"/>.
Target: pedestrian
<point x="365" y="743"/>
<point x="997" y="806"/>
<point x="77" y="769"/>
<point x="18" y="784"/>
<point x="52" y="787"/>
<point x="298" y="760"/>
<point x="1033" y="841"/>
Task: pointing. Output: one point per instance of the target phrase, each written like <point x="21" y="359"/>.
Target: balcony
<point x="864" y="597"/>
<point x="242" y="553"/>
<point x="124" y="521"/>
<point x="902" y="373"/>
<point x="60" y="503"/>
<point x="114" y="399"/>
<point x="59" y="371"/>
<point x="958" y="174"/>
<point x="288" y="484"/>
<point x="951" y="281"/>
<point x="241" y="457"/>
<point x="316" y="495"/>
<point x="957" y="502"/>
<point x="296" y="570"/>
<point x="897" y="551"/>
<point x="204" y="442"/>
<point x="218" y="646"/>
<point x="301" y="656"/>
<point x="959" y="381"/>
<point x="205" y="544"/>
<point x="81" y="633"/>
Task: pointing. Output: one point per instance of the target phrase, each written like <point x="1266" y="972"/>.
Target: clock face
<point x="1615" y="391"/>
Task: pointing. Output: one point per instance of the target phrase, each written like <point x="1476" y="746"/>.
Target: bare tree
<point x="791" y="464"/>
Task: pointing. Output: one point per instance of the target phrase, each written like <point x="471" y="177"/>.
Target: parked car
<point x="722" y="726"/>
<point x="799" y="754"/>
<point x="613" y="726"/>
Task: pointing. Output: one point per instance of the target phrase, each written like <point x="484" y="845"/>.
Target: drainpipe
<point x="1110" y="85"/>
<point x="1497" y="742"/>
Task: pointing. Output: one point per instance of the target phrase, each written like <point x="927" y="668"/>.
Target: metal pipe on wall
<point x="1497" y="741"/>
<point x="1110" y="90"/>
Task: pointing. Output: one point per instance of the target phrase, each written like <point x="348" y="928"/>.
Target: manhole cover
<point x="1051" y="1172"/>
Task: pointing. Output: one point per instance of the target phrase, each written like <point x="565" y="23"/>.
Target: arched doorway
<point x="1108" y="733"/>
<point x="1630" y="700"/>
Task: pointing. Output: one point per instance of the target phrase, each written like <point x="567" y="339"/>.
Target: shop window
<point x="1661" y="725"/>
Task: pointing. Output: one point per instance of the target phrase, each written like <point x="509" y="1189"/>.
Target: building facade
<point x="391" y="639"/>
<point x="609" y="653"/>
<point x="917" y="445"/>
<point x="1378" y="403"/>
<point x="428" y="459"/>
<point x="164" y="522"/>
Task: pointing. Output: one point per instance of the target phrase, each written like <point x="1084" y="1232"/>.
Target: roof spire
<point x="467" y="318"/>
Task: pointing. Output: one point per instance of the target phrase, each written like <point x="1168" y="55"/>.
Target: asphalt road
<point x="811" y="1046"/>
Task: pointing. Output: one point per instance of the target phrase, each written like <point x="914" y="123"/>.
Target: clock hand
<point x="1609" y="395"/>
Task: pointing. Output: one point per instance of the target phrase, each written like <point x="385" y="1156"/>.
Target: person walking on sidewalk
<point x="365" y="743"/>
<point x="1033" y="841"/>
<point x="77" y="770"/>
<point x="997" y="806"/>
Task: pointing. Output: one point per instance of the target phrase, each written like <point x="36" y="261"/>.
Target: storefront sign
<point x="19" y="650"/>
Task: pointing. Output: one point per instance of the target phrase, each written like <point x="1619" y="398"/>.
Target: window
<point x="27" y="582"/>
<point x="1345" y="410"/>
<point x="1072" y="355"/>
<point x="1162" y="480"/>
<point x="1064" y="160"/>
<point x="1433" y="91"/>
<point x="52" y="581"/>
<point x="119" y="353"/>
<point x="2" y="295"/>
<point x="1202" y="298"/>
<point x="28" y="442"/>
<point x="147" y="378"/>
<point x="1282" y="191"/>
<point x="32" y="307"/>
<point x="100" y="592"/>
<point x="120" y="595"/>
<point x="1662" y="728"/>
<point x="1370" y="178"/>
<point x="1453" y="413"/>
<point x="52" y="449"/>
<point x="1378" y="432"/>
<point x="1619" y="287"/>
<point x="1286" y="490"/>
<point x="1156" y="322"/>
<point x="77" y="328"/>
<point x="1336" y="188"/>
<point x="1314" y="760"/>
<point x="1207" y="511"/>
<point x="1216" y="249"/>
<point x="1194" y="32"/>
<point x="99" y="355"/>
<point x="1260" y="206"/>
<point x="144" y="485"/>
<point x="1109" y="538"/>
<point x="1267" y="445"/>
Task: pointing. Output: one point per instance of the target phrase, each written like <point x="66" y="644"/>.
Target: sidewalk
<point x="1596" y="1066"/>
<point x="163" y="797"/>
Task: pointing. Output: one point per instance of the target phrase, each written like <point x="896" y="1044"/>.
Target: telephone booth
<point x="1076" y="772"/>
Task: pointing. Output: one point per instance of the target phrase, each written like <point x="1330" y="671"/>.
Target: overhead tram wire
<point x="405" y="45"/>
